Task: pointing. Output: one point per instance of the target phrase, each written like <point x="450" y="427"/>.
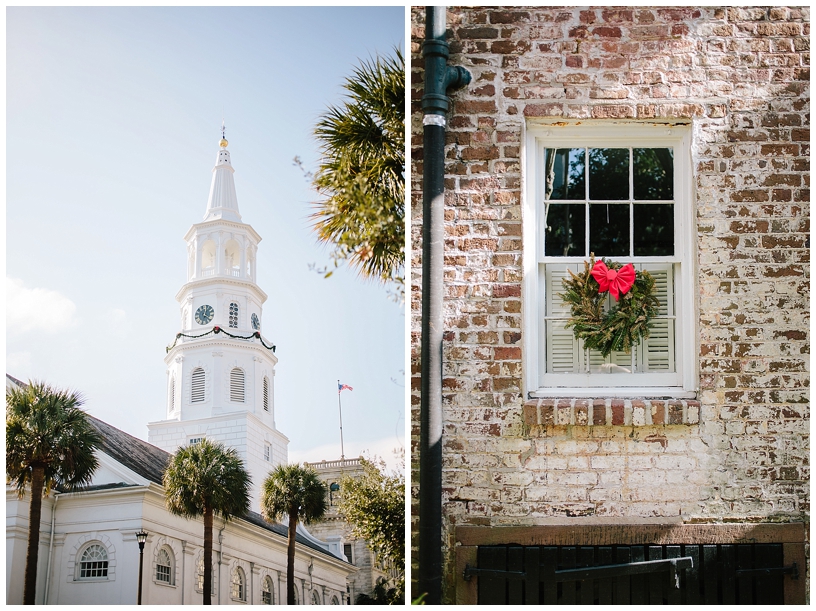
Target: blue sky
<point x="113" y="123"/>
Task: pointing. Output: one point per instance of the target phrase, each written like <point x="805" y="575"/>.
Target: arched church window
<point x="200" y="576"/>
<point x="266" y="393"/>
<point x="238" y="584"/>
<point x="233" y="315"/>
<point x="267" y="591"/>
<point x="94" y="562"/>
<point x="198" y="379"/>
<point x="316" y="598"/>
<point x="237" y="385"/>
<point x="164" y="567"/>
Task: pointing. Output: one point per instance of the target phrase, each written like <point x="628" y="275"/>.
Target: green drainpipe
<point x="439" y="77"/>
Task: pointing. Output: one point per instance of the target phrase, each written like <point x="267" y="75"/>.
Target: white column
<point x="219" y="255"/>
<point x="198" y="264"/>
<point x="243" y="270"/>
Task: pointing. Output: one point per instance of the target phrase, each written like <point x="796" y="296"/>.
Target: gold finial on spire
<point x="223" y="142"/>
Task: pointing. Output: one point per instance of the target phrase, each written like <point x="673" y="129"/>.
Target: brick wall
<point x="740" y="451"/>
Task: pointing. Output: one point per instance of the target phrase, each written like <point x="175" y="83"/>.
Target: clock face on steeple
<point x="204" y="314"/>
<point x="256" y="324"/>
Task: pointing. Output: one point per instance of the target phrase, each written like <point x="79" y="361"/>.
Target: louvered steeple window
<point x="172" y="397"/>
<point x="266" y="393"/>
<point x="237" y="385"/>
<point x="198" y="384"/>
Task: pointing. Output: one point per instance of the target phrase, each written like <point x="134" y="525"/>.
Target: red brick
<point x="507" y="353"/>
<point x="543" y="110"/>
<point x="599" y="412"/>
<point x="506" y="290"/>
<point x="574" y="61"/>
<point x="607" y="32"/>
<point x="658" y="412"/>
<point x="484" y="33"/>
<point x="617" y="412"/>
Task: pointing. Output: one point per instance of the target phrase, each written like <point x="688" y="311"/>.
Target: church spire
<point x="222" y="203"/>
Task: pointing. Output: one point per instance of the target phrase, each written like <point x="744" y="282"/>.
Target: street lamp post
<point x="141" y="537"/>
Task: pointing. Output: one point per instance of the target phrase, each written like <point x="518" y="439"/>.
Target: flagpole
<point x="340" y="407"/>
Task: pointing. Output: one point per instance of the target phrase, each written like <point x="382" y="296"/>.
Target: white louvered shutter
<point x="562" y="348"/>
<point x="657" y="352"/>
<point x="198" y="379"/>
<point x="237" y="385"/>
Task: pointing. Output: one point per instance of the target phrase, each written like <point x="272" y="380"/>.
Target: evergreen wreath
<point x="626" y="322"/>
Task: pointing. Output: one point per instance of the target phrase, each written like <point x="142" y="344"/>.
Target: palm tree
<point x="362" y="171"/>
<point x="49" y="444"/>
<point x="204" y="479"/>
<point x="298" y="493"/>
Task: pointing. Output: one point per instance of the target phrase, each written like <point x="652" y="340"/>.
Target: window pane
<point x="654" y="230"/>
<point x="608" y="173"/>
<point x="566" y="226"/>
<point x="564" y="174"/>
<point x="653" y="173"/>
<point x="609" y="230"/>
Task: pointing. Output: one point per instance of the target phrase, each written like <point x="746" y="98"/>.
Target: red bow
<point x="617" y="282"/>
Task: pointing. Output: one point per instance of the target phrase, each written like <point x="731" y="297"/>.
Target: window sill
<point x="164" y="584"/>
<point x="611" y="412"/>
<point x="621" y="392"/>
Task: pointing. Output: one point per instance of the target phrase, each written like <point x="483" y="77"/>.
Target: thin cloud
<point x="36" y="309"/>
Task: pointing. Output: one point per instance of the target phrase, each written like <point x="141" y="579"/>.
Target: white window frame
<point x="106" y="560"/>
<point x="237" y="385"/>
<point x="271" y="592"/>
<point x="198" y="385"/>
<point x="233" y="319"/>
<point x="238" y="585"/>
<point x="171" y="581"/>
<point x="540" y="135"/>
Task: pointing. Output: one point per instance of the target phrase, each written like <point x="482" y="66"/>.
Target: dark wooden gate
<point x="632" y="574"/>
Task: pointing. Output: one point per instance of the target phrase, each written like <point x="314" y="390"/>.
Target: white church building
<point x="220" y="386"/>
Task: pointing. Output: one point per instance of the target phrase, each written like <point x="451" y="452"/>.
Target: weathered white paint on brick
<point x="740" y="75"/>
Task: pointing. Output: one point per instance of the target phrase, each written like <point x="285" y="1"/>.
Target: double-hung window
<point x="620" y="192"/>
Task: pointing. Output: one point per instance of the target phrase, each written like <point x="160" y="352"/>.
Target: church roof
<point x="149" y="461"/>
<point x="139" y="456"/>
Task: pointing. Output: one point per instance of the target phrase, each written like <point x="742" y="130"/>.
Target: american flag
<point x="343" y="387"/>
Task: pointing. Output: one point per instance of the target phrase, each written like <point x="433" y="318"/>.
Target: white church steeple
<point x="223" y="203"/>
<point x="221" y="366"/>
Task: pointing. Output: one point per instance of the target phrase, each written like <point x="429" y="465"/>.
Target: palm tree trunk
<point x="34" y="514"/>
<point x="208" y="544"/>
<point x="290" y="558"/>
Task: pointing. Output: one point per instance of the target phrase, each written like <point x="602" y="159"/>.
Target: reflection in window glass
<point x="163" y="569"/>
<point x="654" y="230"/>
<point x="609" y="230"/>
<point x="653" y="174"/>
<point x="608" y="174"/>
<point x="564" y="174"/>
<point x="565" y="230"/>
